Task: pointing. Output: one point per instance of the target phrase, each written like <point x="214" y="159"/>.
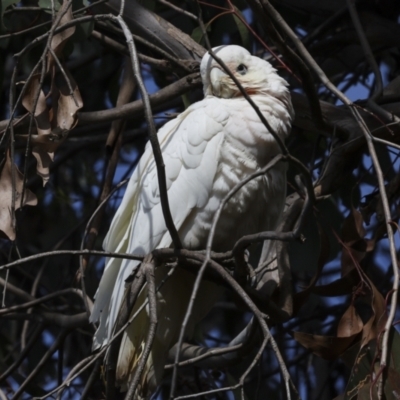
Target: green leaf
<point x="46" y="5"/>
<point x="197" y="34"/>
<point x="242" y="28"/>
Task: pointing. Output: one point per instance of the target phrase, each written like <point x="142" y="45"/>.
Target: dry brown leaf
<point x="42" y="121"/>
<point x="41" y="112"/>
<point x="54" y="124"/>
<point x="68" y="105"/>
<point x="354" y="252"/>
<point x="375" y="325"/>
<point x="356" y="246"/>
<point x="6" y="186"/>
<point x="353" y="227"/>
<point x="350" y="258"/>
<point x="48" y="139"/>
<point x="350" y="324"/>
<point x="43" y="162"/>
<point x="328" y="347"/>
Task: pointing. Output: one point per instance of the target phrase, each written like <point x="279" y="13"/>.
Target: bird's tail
<point x="172" y="301"/>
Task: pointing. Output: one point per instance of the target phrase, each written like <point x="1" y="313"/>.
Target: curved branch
<point x="41" y="300"/>
<point x="162" y="180"/>
<point x="53" y="318"/>
<point x="133" y="109"/>
<point x="217" y="357"/>
<point x="71" y="252"/>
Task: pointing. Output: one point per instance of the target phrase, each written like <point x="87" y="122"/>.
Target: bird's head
<point x="256" y="75"/>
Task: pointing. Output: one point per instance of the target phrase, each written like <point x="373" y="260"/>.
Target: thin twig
<point x="76" y="12"/>
<point x="324" y="26"/>
<point x="133" y="109"/>
<point x="372" y="62"/>
<point x="66" y="78"/>
<point x="41" y="300"/>
<point x="70" y="252"/>
<point x="3" y="300"/>
<point x="75" y="372"/>
<point x="33" y="337"/>
<point x="93" y="378"/>
<point x="164" y="65"/>
<point x="178" y="9"/>
<point x="238" y="385"/>
<point x="16" y="290"/>
<point x="208" y="353"/>
<point x="287" y="51"/>
<point x="237" y="345"/>
<point x="99" y="207"/>
<point x="58" y="319"/>
<point x="53" y="348"/>
<point x="187" y="65"/>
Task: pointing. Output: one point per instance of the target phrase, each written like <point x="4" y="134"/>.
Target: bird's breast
<point x="246" y="147"/>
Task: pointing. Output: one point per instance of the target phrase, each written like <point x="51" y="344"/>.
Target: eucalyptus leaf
<point x="242" y="28"/>
<point x="48" y="5"/>
<point x="197" y="34"/>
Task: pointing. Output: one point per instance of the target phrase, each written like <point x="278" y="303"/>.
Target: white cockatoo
<point x="207" y="150"/>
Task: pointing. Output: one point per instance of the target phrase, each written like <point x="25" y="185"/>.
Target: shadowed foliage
<point x="72" y="128"/>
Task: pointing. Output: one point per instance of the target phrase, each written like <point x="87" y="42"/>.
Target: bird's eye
<point x="242" y="69"/>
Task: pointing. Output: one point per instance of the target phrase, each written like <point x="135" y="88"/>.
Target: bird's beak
<point x="216" y="78"/>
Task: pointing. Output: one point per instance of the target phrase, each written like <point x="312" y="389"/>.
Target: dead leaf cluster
<point x="54" y="114"/>
<point x="359" y="332"/>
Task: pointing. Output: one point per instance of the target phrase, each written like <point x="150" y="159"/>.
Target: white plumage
<point x="207" y="150"/>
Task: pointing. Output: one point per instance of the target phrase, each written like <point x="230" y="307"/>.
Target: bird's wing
<point x="190" y="147"/>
